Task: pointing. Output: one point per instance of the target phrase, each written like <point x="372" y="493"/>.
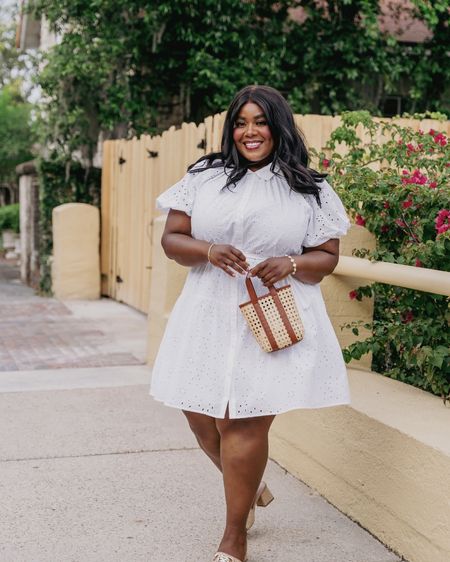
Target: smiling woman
<point x="261" y="114"/>
<point x="253" y="209"/>
<point x="252" y="136"/>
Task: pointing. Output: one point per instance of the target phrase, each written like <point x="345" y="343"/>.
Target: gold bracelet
<point x="209" y="252"/>
<point x="294" y="265"/>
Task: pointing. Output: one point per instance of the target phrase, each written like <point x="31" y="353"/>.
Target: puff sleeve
<point x="327" y="221"/>
<point x="180" y="196"/>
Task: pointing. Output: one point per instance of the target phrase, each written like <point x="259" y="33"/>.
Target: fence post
<point x="341" y="309"/>
<point x="29" y="224"/>
<point x="76" y="256"/>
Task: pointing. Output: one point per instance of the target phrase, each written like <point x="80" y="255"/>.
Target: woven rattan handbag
<point x="273" y="318"/>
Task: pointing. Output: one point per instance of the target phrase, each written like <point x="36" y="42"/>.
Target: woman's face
<point x="252" y="135"/>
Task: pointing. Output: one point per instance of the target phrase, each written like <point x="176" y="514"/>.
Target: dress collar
<point x="266" y="173"/>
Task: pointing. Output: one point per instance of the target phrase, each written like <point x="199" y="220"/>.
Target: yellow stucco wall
<point x="335" y="289"/>
<point x="384" y="461"/>
<point x="167" y="279"/>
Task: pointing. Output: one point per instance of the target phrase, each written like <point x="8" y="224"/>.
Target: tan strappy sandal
<point x="223" y="557"/>
<point x="263" y="497"/>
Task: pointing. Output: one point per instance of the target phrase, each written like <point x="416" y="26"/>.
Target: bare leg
<point x="243" y="453"/>
<point x="208" y="437"/>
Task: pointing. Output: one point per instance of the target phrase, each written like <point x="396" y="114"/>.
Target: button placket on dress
<point x="248" y="185"/>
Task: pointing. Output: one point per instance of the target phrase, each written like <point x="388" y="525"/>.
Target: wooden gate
<point x="135" y="172"/>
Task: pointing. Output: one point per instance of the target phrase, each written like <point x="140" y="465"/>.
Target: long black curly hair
<point x="290" y="153"/>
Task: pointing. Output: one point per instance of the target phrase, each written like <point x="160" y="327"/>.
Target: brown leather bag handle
<point x="252" y="292"/>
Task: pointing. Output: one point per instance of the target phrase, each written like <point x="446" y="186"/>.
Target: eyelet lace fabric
<point x="208" y="359"/>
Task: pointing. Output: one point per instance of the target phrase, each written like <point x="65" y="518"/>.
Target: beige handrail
<point x="419" y="278"/>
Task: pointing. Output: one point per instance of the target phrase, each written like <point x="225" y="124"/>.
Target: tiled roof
<point x="396" y="18"/>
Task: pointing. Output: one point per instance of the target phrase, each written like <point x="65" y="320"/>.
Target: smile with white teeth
<point x="252" y="145"/>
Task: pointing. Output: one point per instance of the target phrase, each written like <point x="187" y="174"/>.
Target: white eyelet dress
<point x="208" y="358"/>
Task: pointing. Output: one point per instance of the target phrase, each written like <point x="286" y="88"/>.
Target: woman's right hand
<point x="228" y="258"/>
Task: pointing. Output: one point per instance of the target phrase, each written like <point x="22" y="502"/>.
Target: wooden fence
<point x="136" y="171"/>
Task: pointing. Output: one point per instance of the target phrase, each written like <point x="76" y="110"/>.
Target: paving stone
<point x="10" y="285"/>
<point x="33" y="311"/>
<point x="43" y="333"/>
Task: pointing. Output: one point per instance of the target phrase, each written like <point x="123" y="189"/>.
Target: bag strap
<point x="281" y="311"/>
<point x="260" y="314"/>
<point x="251" y="290"/>
<point x="284" y="316"/>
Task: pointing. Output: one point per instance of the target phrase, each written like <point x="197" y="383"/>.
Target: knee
<point x="202" y="426"/>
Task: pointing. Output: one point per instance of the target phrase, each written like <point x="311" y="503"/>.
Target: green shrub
<point x="406" y="204"/>
<point x="10" y="218"/>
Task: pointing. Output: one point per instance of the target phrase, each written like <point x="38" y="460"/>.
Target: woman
<point x="253" y="208"/>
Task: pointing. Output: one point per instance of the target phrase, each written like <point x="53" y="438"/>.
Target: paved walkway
<point x="39" y="333"/>
<point x="93" y="470"/>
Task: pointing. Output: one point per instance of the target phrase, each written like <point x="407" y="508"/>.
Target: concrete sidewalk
<point x="92" y="469"/>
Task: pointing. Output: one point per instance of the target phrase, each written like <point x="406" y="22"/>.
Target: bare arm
<point x="315" y="263"/>
<point x="312" y="266"/>
<point x="179" y="245"/>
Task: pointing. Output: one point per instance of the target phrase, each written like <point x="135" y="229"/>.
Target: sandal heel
<point x="265" y="498"/>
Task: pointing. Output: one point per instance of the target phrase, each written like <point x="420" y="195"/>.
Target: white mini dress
<point x="208" y="358"/>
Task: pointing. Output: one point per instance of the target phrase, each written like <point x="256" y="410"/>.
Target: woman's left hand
<point x="272" y="270"/>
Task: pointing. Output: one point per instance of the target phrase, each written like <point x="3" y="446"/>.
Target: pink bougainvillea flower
<point x="419" y="178"/>
<point x="418" y="263"/>
<point x="352" y="295"/>
<point x="386" y="205"/>
<point x="416" y="177"/>
<point x="400" y="223"/>
<point x="406" y="204"/>
<point x="361" y="221"/>
<point x="420" y="132"/>
<point x="407" y="316"/>
<point x="432" y="185"/>
<point x="441" y="139"/>
<point x="325" y="163"/>
<point x="405" y="172"/>
<point x="442" y="221"/>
